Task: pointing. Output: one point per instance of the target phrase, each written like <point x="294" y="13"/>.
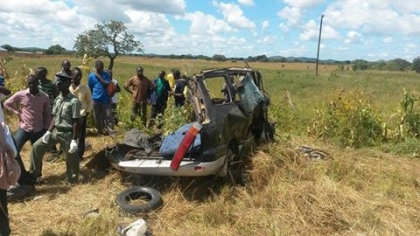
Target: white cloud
<point x="407" y="6"/>
<point x="206" y="24"/>
<point x="351" y="28"/>
<point x="411" y="46"/>
<point x="284" y="27"/>
<point x="311" y="32"/>
<point x="410" y="51"/>
<point x="303" y="3"/>
<point x="297" y="50"/>
<point x="246" y="2"/>
<point x="354" y="37"/>
<point x="265" y="25"/>
<point x="22" y="6"/>
<point x="268" y="39"/>
<point x="234" y="15"/>
<point x="329" y="32"/>
<point x="148" y="24"/>
<point x="52" y="23"/>
<point x="388" y="40"/>
<point x="375" y="17"/>
<point x="292" y="15"/>
<point x="175" y="7"/>
<point x="409" y="24"/>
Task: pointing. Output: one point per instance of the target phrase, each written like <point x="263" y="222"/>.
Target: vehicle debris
<point x="231" y="110"/>
<point x="313" y="153"/>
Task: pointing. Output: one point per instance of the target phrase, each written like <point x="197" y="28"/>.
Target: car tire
<point x="235" y="168"/>
<point x="154" y="199"/>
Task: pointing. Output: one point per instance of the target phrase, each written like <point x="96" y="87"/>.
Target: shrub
<point x="410" y="118"/>
<point x="349" y="120"/>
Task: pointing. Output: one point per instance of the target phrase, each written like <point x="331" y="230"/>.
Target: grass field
<point x="371" y="190"/>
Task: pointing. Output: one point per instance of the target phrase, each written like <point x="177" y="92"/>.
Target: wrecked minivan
<point x="230" y="117"/>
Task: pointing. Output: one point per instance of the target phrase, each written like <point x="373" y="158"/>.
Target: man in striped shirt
<point x="46" y="85"/>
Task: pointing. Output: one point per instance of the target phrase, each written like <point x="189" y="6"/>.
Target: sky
<point x="351" y="29"/>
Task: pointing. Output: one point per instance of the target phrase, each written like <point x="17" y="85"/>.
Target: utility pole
<point x="319" y="44"/>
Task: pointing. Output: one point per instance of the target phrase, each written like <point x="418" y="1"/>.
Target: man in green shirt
<point x="46" y="85"/>
<point x="63" y="130"/>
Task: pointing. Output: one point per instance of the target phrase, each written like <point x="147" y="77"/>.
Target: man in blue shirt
<point x="98" y="82"/>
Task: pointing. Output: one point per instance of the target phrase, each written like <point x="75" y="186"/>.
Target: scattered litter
<point x="137" y="228"/>
<point x="37" y="198"/>
<point x="91" y="213"/>
<point x="314" y="154"/>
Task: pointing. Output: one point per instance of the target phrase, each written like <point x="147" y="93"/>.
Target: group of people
<point x="56" y="112"/>
<point x="155" y="93"/>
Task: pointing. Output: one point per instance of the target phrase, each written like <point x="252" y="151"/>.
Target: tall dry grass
<point x="352" y="192"/>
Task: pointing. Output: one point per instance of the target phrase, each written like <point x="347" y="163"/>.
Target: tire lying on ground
<point x="151" y="199"/>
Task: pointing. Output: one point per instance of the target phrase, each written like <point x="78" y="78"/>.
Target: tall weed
<point x="410" y="117"/>
<point x="349" y="120"/>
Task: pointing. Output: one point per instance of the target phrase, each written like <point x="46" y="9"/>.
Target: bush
<point x="409" y="126"/>
<point x="349" y="120"/>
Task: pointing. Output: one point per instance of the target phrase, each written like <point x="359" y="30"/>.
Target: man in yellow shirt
<point x="81" y="92"/>
<point x="170" y="78"/>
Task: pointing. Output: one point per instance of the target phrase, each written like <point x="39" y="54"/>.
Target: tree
<point x="401" y="64"/>
<point x="8" y="47"/>
<point x="218" y="57"/>
<point x="109" y="39"/>
<point x="360" y="64"/>
<point x="416" y="64"/>
<point x="262" y="58"/>
<point x="55" y="50"/>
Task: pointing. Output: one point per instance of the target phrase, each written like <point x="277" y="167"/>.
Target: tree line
<point x="111" y="39"/>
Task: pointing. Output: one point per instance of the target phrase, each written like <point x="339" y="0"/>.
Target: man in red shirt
<point x="140" y="86"/>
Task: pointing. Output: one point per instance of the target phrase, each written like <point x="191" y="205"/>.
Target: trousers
<point x="40" y="148"/>
<point x="4" y="218"/>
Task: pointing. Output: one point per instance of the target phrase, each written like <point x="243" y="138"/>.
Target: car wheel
<point x="236" y="173"/>
<point x="267" y="134"/>
<point x="139" y="199"/>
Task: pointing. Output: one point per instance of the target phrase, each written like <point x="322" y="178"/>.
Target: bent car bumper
<point x="155" y="166"/>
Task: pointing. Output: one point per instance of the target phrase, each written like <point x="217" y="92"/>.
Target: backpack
<point x="180" y="85"/>
<point x="10" y="167"/>
<point x="111" y="88"/>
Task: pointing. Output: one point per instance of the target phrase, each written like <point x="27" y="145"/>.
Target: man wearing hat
<point x="63" y="130"/>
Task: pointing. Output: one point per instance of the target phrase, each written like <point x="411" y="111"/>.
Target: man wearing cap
<point x="65" y="70"/>
<point x="63" y="130"/>
<point x="33" y="110"/>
